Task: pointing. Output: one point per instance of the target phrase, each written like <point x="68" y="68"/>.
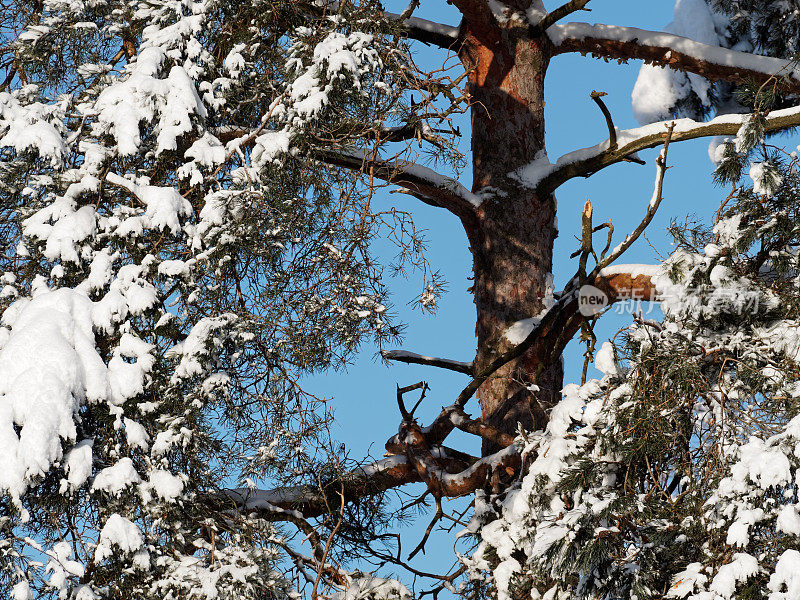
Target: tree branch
<point x="419" y="359"/>
<point x="429" y="32"/>
<point x="556" y="15"/>
<point x="546" y="176"/>
<point x="421" y="182"/>
<point x="311" y="501"/>
<point x="612" y="130"/>
<point x="674" y="51"/>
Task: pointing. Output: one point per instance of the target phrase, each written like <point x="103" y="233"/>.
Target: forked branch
<point x="556" y="15"/>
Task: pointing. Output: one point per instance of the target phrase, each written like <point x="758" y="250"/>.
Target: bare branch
<point x="652" y="207"/>
<point x="612" y="131"/>
<point x="548" y="176"/>
<point x="419" y="359"/>
<point x="674" y="51"/>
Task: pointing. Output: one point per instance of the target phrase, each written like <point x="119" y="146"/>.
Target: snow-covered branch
<point x="419" y="181"/>
<point x="547" y="176"/>
<point x="287" y="503"/>
<point x="420" y="359"/>
<point x="674" y="51"/>
<point x="428" y="32"/>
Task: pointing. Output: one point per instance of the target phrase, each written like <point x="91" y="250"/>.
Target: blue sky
<point x="364" y="395"/>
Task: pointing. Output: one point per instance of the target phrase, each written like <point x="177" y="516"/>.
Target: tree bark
<point x="512" y="238"/>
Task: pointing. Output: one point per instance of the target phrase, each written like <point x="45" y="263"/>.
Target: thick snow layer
<point x="78" y="465"/>
<point x="658" y="90"/>
<point x="28" y="128"/>
<point x="604" y="360"/>
<point x="144" y="96"/>
<point x="120" y="532"/>
<point x="61" y="226"/>
<point x="784" y="583"/>
<point x="739" y="570"/>
<point x="165" y="485"/>
<point x="136" y="435"/>
<point x="116" y="478"/>
<point x="164" y="205"/>
<point x="48" y="367"/>
<point x="21" y="591"/>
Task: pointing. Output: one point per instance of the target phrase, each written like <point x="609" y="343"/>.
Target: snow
<point x="61" y="566"/>
<point x="269" y="147"/>
<point x="365" y="586"/>
<point x="687" y="581"/>
<point x="167" y="486"/>
<point x="634" y="270"/>
<point x="26" y="127"/>
<point x="21" y="591"/>
<point x="164" y="204"/>
<point x="61" y="226"/>
<point x="136" y="434"/>
<point x="766" y="178"/>
<point x="77" y="465"/>
<point x="414" y="357"/>
<point x="532" y="174"/>
<point x="503" y="574"/>
<point x="715" y="55"/>
<point x="519" y="331"/>
<point x="739" y="570"/>
<point x="658" y="90"/>
<point x="143" y="96"/>
<point x="118" y="532"/>
<point x="48" y="367"/>
<point x="432" y="27"/>
<point x="194" y="350"/>
<point x="605" y="362"/>
<point x="784" y="583"/>
<point x="727" y="230"/>
<point x="788" y="520"/>
<point x="116" y="478"/>
<point x="426" y="175"/>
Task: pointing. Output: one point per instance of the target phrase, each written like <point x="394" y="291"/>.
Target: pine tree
<point x="186" y="194"/>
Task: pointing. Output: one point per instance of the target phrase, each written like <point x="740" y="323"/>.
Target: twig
<point x="612" y="131"/>
<point x="652" y="208"/>
<point x="409" y="416"/>
<point x="436" y="518"/>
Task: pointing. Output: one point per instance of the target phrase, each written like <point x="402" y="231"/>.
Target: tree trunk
<point x="512" y="239"/>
